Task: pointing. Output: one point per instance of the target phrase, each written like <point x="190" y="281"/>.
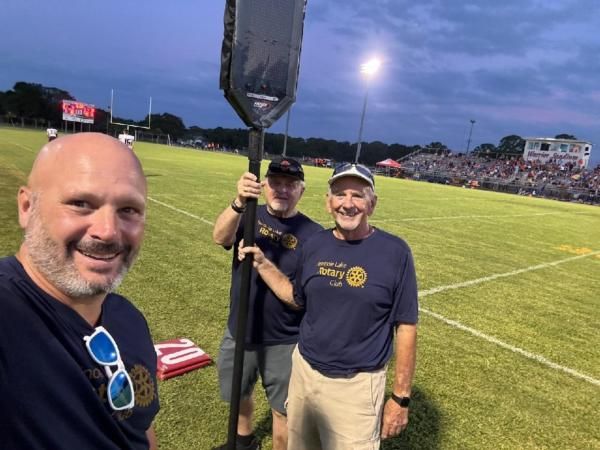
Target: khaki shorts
<point x="271" y="362"/>
<point x="334" y="413"/>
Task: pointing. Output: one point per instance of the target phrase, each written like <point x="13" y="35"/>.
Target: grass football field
<point x="509" y="332"/>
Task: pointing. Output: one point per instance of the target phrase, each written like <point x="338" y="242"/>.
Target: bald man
<point x="77" y="364"/>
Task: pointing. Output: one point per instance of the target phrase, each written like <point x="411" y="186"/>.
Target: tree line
<point x="41" y="106"/>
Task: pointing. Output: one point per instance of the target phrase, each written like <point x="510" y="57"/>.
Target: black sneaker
<point x="254" y="445"/>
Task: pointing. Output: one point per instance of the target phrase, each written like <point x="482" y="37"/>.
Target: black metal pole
<point x="362" y="122"/>
<point x="256" y="143"/>
<point x="470" y="134"/>
<point x="287" y="127"/>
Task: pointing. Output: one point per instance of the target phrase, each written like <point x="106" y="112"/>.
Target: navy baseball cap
<point x="286" y="166"/>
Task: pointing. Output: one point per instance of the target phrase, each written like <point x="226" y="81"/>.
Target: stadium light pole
<point x="369" y="69"/>
<point x="287" y="127"/>
<point x="470" y="134"/>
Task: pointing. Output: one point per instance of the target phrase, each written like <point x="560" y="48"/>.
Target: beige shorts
<point x="334" y="413"/>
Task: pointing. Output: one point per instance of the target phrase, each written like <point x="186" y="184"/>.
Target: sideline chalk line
<point x="166" y="205"/>
<point x="432" y="291"/>
<point x="512" y="348"/>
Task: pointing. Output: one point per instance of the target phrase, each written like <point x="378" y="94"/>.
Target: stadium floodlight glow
<point x="369" y="69"/>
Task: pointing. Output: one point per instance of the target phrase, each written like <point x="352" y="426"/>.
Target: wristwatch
<point x="402" y="401"/>
<point x="236" y="208"/>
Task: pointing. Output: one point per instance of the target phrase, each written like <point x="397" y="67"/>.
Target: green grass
<point x="469" y="393"/>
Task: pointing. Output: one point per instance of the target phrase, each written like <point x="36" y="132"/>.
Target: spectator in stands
<point x="551" y="178"/>
<point x="69" y="347"/>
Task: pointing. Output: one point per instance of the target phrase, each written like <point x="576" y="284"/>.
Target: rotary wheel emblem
<point x="289" y="241"/>
<point x="356" y="276"/>
<point x="143" y="385"/>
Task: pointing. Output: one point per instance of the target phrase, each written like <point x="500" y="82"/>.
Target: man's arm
<point x="276" y="280"/>
<point x="228" y="221"/>
<point x="395" y="417"/>
<point x="151" y="435"/>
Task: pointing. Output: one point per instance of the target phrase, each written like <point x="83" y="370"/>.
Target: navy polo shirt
<point x="270" y="321"/>
<point x="354" y="294"/>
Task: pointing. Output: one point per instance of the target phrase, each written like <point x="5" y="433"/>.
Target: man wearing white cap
<point x="357" y="285"/>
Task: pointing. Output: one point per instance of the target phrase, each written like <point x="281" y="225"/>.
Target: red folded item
<point x="173" y="373"/>
<point x="178" y="356"/>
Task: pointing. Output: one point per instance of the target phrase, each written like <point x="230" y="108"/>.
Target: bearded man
<point x="70" y="348"/>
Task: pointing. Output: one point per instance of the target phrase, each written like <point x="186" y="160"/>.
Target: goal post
<point x="129" y="125"/>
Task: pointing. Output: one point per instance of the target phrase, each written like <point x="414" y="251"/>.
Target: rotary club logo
<point x="143" y="385"/>
<point x="356" y="276"/>
<point x="289" y="241"/>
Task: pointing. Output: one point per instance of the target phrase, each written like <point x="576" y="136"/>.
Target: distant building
<point x="559" y="151"/>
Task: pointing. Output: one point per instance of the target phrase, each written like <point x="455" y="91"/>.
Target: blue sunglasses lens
<point x="103" y="349"/>
<point x="365" y="171"/>
<point x="348" y="166"/>
<point x="341" y="168"/>
<point x="120" y="391"/>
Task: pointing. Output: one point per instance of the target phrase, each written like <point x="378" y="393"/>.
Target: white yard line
<point x="496" y="341"/>
<point x="427" y="292"/>
<point x="20" y="145"/>
<point x="166" y="205"/>
<point x="512" y="348"/>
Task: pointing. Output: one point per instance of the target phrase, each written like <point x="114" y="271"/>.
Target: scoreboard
<point x="78" y="112"/>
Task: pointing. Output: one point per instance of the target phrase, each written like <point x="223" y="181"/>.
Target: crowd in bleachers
<point x="532" y="177"/>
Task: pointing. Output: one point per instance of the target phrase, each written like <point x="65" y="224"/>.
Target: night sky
<point x="526" y="67"/>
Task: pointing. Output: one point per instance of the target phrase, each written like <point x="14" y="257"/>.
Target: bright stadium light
<point x="369" y="69"/>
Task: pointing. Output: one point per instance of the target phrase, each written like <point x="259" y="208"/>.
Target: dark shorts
<point x="272" y="362"/>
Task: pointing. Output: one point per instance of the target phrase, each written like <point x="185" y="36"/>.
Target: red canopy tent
<point x="389" y="163"/>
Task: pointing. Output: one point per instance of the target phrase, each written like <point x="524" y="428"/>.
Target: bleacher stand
<point x="510" y="174"/>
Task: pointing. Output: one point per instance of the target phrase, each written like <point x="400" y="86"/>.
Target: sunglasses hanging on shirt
<point x="103" y="349"/>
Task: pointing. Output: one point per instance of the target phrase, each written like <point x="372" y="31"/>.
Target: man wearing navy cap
<point x="358" y="287"/>
<point x="272" y="326"/>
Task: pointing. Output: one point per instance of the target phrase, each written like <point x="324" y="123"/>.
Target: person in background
<point x="358" y="287"/>
<point x="127" y="139"/>
<point x="272" y="326"/>
<point x="77" y="363"/>
<point x="52" y="134"/>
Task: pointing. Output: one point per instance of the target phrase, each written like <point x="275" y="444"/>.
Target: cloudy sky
<point x="526" y="67"/>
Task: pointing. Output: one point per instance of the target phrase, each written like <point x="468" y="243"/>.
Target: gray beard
<point x="57" y="266"/>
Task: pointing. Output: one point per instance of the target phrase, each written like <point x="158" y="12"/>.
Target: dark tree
<point x="565" y="136"/>
<point x="512" y="144"/>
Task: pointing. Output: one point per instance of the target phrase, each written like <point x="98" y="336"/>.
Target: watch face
<point x="402" y="401"/>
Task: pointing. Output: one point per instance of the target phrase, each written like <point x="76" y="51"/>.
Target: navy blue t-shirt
<point x="52" y="394"/>
<point x="354" y="293"/>
<point x="270" y="322"/>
